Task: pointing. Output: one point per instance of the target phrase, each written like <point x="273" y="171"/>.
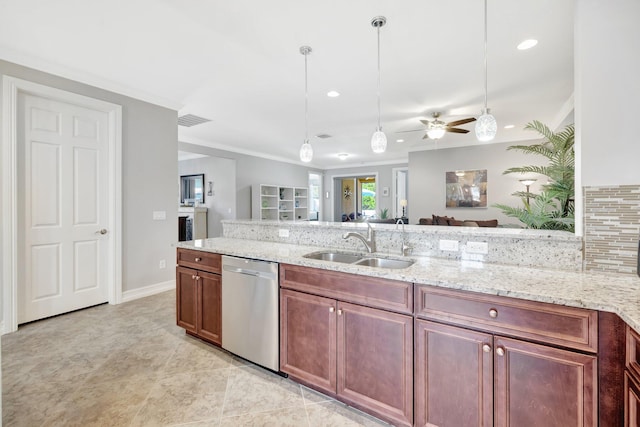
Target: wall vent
<point x="189" y="120"/>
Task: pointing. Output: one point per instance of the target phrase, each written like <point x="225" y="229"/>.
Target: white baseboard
<point x="134" y="294"/>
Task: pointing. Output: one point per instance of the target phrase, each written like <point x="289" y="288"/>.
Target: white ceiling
<point x="237" y="62"/>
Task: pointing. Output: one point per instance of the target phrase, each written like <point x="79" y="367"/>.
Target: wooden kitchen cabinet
<point x="361" y="355"/>
<point x="537" y="385"/>
<point x="453" y="376"/>
<point x="469" y="375"/>
<point x="308" y="338"/>
<point x="199" y="295"/>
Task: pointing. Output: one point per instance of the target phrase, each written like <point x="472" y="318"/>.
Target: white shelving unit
<point x="279" y="203"/>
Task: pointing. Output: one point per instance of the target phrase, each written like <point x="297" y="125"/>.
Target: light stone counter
<point x="615" y="293"/>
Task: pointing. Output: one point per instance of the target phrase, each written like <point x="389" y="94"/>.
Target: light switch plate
<point x="477" y="247"/>
<point x="449" y="245"/>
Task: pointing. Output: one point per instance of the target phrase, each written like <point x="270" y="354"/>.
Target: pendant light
<point x="486" y="126"/>
<point x="379" y="139"/>
<point x="306" y="151"/>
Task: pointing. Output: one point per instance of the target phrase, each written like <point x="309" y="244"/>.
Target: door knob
<point x="331" y="309"/>
<point x="102" y="231"/>
<point x="500" y="351"/>
<point x="493" y="313"/>
<point x="486" y="348"/>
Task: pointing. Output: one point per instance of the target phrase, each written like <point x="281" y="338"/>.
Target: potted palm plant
<point x="553" y="207"/>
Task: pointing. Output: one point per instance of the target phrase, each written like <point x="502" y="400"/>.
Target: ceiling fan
<point x="436" y="128"/>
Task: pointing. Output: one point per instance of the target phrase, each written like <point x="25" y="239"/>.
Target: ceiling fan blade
<point x="461" y="122"/>
<point x="456" y="130"/>
<point x="425" y="122"/>
<point x="414" y="130"/>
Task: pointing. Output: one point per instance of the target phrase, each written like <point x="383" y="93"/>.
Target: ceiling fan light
<point x="486" y="127"/>
<point x="436" y="133"/>
<point x="306" y="152"/>
<point x="379" y="142"/>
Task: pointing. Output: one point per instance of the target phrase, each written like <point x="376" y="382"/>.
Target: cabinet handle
<point x="500" y="351"/>
<point x="339" y="312"/>
<point x="194" y="277"/>
<point x="198" y="259"/>
<point x="493" y="313"/>
<point x="331" y="309"/>
<point x="486" y="348"/>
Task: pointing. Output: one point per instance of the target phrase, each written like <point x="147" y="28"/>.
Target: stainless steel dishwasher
<point x="250" y="310"/>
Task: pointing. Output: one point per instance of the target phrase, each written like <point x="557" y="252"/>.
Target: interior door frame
<point x="11" y="87"/>
<point x="351" y="175"/>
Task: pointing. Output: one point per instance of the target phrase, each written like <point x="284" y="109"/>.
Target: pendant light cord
<point x="378" y="28"/>
<point x="485" y="57"/>
<point x="306" y="102"/>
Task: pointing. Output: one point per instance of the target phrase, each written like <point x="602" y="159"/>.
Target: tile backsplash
<point x="612" y="228"/>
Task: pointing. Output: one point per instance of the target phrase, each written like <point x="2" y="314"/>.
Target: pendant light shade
<point x="379" y="139"/>
<point x="306" y="150"/>
<point x="486" y="125"/>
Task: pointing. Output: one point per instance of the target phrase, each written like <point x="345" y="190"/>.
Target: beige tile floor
<point x="130" y="365"/>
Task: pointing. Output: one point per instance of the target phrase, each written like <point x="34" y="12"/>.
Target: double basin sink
<point x="360" y="259"/>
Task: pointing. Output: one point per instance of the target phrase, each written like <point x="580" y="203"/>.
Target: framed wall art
<point x="466" y="189"/>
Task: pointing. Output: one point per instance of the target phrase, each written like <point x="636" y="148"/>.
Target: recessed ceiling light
<point x="509" y="126"/>
<point x="343" y="156"/>
<point x="527" y="44"/>
<point x="333" y="94"/>
<point x="399" y="140"/>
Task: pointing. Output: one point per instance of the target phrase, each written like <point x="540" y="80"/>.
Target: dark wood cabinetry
<point x="361" y="355"/>
<point x="308" y="338"/>
<point x="468" y="377"/>
<point x="199" y="294"/>
<point x="537" y="385"/>
<point x="453" y="376"/>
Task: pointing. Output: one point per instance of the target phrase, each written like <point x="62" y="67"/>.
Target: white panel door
<point x="65" y="210"/>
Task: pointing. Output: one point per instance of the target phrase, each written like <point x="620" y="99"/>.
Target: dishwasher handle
<point x="242" y="271"/>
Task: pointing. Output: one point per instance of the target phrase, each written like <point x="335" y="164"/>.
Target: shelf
<point x="270" y="202"/>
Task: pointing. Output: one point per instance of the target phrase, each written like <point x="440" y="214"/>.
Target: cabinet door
<point x="308" y="339"/>
<point x="375" y="361"/>
<point x="536" y="385"/>
<point x="454" y="376"/>
<point x="186" y="298"/>
<point x="631" y="402"/>
<point x="210" y="307"/>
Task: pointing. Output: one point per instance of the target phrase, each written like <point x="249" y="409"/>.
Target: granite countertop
<point x="616" y="293"/>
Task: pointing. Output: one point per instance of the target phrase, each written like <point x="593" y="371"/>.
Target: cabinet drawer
<point x="374" y="292"/>
<point x="633" y="353"/>
<point x="548" y="323"/>
<point x="199" y="260"/>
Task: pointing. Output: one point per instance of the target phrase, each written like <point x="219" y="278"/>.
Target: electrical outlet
<point x="449" y="245"/>
<point x="477" y="248"/>
<point x="163" y="263"/>
<point x="283" y="232"/>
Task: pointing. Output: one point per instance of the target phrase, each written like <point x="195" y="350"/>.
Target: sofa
<point x="449" y="220"/>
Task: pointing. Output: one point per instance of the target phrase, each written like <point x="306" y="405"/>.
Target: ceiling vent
<point x="189" y="120"/>
<point x="323" y="136"/>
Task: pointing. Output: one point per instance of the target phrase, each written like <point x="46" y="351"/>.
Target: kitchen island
<point x="588" y="353"/>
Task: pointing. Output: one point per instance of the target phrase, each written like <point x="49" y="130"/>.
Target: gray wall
<point x="149" y="170"/>
<point x="222" y="204"/>
<point x="606" y="74"/>
<point x="254" y="170"/>
<point x="427" y="180"/>
<point x="385" y="179"/>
